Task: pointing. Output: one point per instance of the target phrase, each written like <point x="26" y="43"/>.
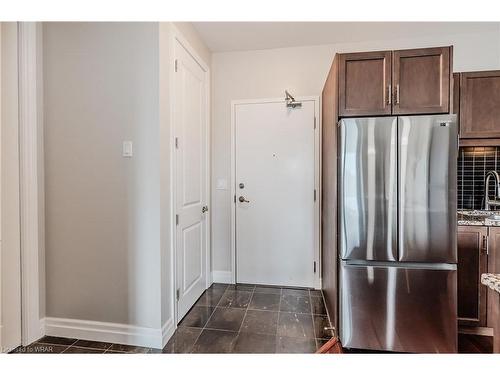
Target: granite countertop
<point x="491" y="280"/>
<point x="477" y="217"/>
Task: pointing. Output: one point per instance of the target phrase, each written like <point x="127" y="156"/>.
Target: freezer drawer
<point x="401" y="309"/>
<point x="427" y="188"/>
<point x="368" y="188"/>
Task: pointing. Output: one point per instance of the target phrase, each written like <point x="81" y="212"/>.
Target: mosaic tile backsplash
<point x="473" y="164"/>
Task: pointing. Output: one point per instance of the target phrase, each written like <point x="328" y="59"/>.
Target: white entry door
<point x="191" y="161"/>
<point x="275" y="194"/>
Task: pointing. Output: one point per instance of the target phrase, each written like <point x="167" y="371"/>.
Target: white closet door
<point x="190" y="120"/>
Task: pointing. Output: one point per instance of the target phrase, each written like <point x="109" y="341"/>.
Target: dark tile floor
<point x="242" y="319"/>
<point x="252" y="319"/>
<point x="57" y="345"/>
<point x="228" y="319"/>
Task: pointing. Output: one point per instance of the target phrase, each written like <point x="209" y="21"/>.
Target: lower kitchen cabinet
<point x="472" y="262"/>
<point x="478" y="252"/>
<point x="493" y="267"/>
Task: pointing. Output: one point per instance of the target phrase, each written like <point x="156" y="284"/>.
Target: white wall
<point x="107" y="218"/>
<point x="10" y="251"/>
<point x="302" y="70"/>
<point x="102" y="210"/>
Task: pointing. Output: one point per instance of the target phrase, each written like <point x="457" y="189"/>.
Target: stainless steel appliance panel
<point x="428" y="149"/>
<point x="398" y="308"/>
<point x="368" y="188"/>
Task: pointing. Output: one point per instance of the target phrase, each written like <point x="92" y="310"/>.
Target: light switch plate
<point x="221" y="184"/>
<point x="127" y="149"/>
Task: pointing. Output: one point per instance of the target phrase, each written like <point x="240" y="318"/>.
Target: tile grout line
<point x="247" y="308"/>
<point x="312" y="317"/>
<point x="204" y="327"/>
<point x="242" y="321"/>
<point x="314" y="324"/>
<point x="278" y="322"/>
<point x="68" y="347"/>
<point x="87" y="347"/>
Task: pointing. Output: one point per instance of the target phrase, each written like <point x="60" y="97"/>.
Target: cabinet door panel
<point x="421" y="80"/>
<point x="480" y="105"/>
<point x="364" y="84"/>
<point x="472" y="262"/>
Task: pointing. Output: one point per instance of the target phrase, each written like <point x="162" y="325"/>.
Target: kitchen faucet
<point x="487" y="201"/>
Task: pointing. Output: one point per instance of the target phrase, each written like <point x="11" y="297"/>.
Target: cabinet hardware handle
<point x="389" y="95"/>
<point x="397" y="93"/>
<point x="485" y="244"/>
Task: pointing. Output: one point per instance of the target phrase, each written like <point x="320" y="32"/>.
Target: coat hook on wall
<point x="290" y="101"/>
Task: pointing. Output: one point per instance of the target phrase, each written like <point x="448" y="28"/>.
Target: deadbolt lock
<point x="242" y="185"/>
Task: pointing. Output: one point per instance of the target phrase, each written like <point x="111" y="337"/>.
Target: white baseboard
<point x="108" y="332"/>
<point x="225" y="277"/>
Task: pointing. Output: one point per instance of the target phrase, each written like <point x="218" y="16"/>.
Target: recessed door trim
<point x="176" y="37"/>
<point x="317" y="180"/>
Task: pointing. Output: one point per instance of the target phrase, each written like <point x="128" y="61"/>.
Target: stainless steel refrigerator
<point x="397" y="233"/>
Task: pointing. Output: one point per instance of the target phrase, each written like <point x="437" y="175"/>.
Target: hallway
<point x="252" y="319"/>
<point x="227" y="318"/>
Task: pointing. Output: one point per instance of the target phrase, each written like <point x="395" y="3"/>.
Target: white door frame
<point x="317" y="180"/>
<point x="177" y="37"/>
<point x="31" y="177"/>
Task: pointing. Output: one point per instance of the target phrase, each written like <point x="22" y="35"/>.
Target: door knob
<point x="242" y="199"/>
<point x="204" y="209"/>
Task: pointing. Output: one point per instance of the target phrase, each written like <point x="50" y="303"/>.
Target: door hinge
<point x="315" y="195"/>
<point x="177" y="294"/>
<point x="314" y="267"/>
<point x="176" y="142"/>
<point x="314" y="122"/>
<point x="234" y="198"/>
<point x="176" y="219"/>
<point x="175" y="64"/>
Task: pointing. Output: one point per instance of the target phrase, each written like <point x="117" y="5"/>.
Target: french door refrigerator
<point x="397" y="233"/>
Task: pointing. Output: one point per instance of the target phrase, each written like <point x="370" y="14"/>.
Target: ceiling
<point x="241" y="36"/>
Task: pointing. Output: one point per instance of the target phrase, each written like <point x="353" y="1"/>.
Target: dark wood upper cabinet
<point x="365" y="84"/>
<point x="480" y="105"/>
<point x="414" y="81"/>
<point x="472" y="262"/>
<point x="456" y="94"/>
<point x="421" y="80"/>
